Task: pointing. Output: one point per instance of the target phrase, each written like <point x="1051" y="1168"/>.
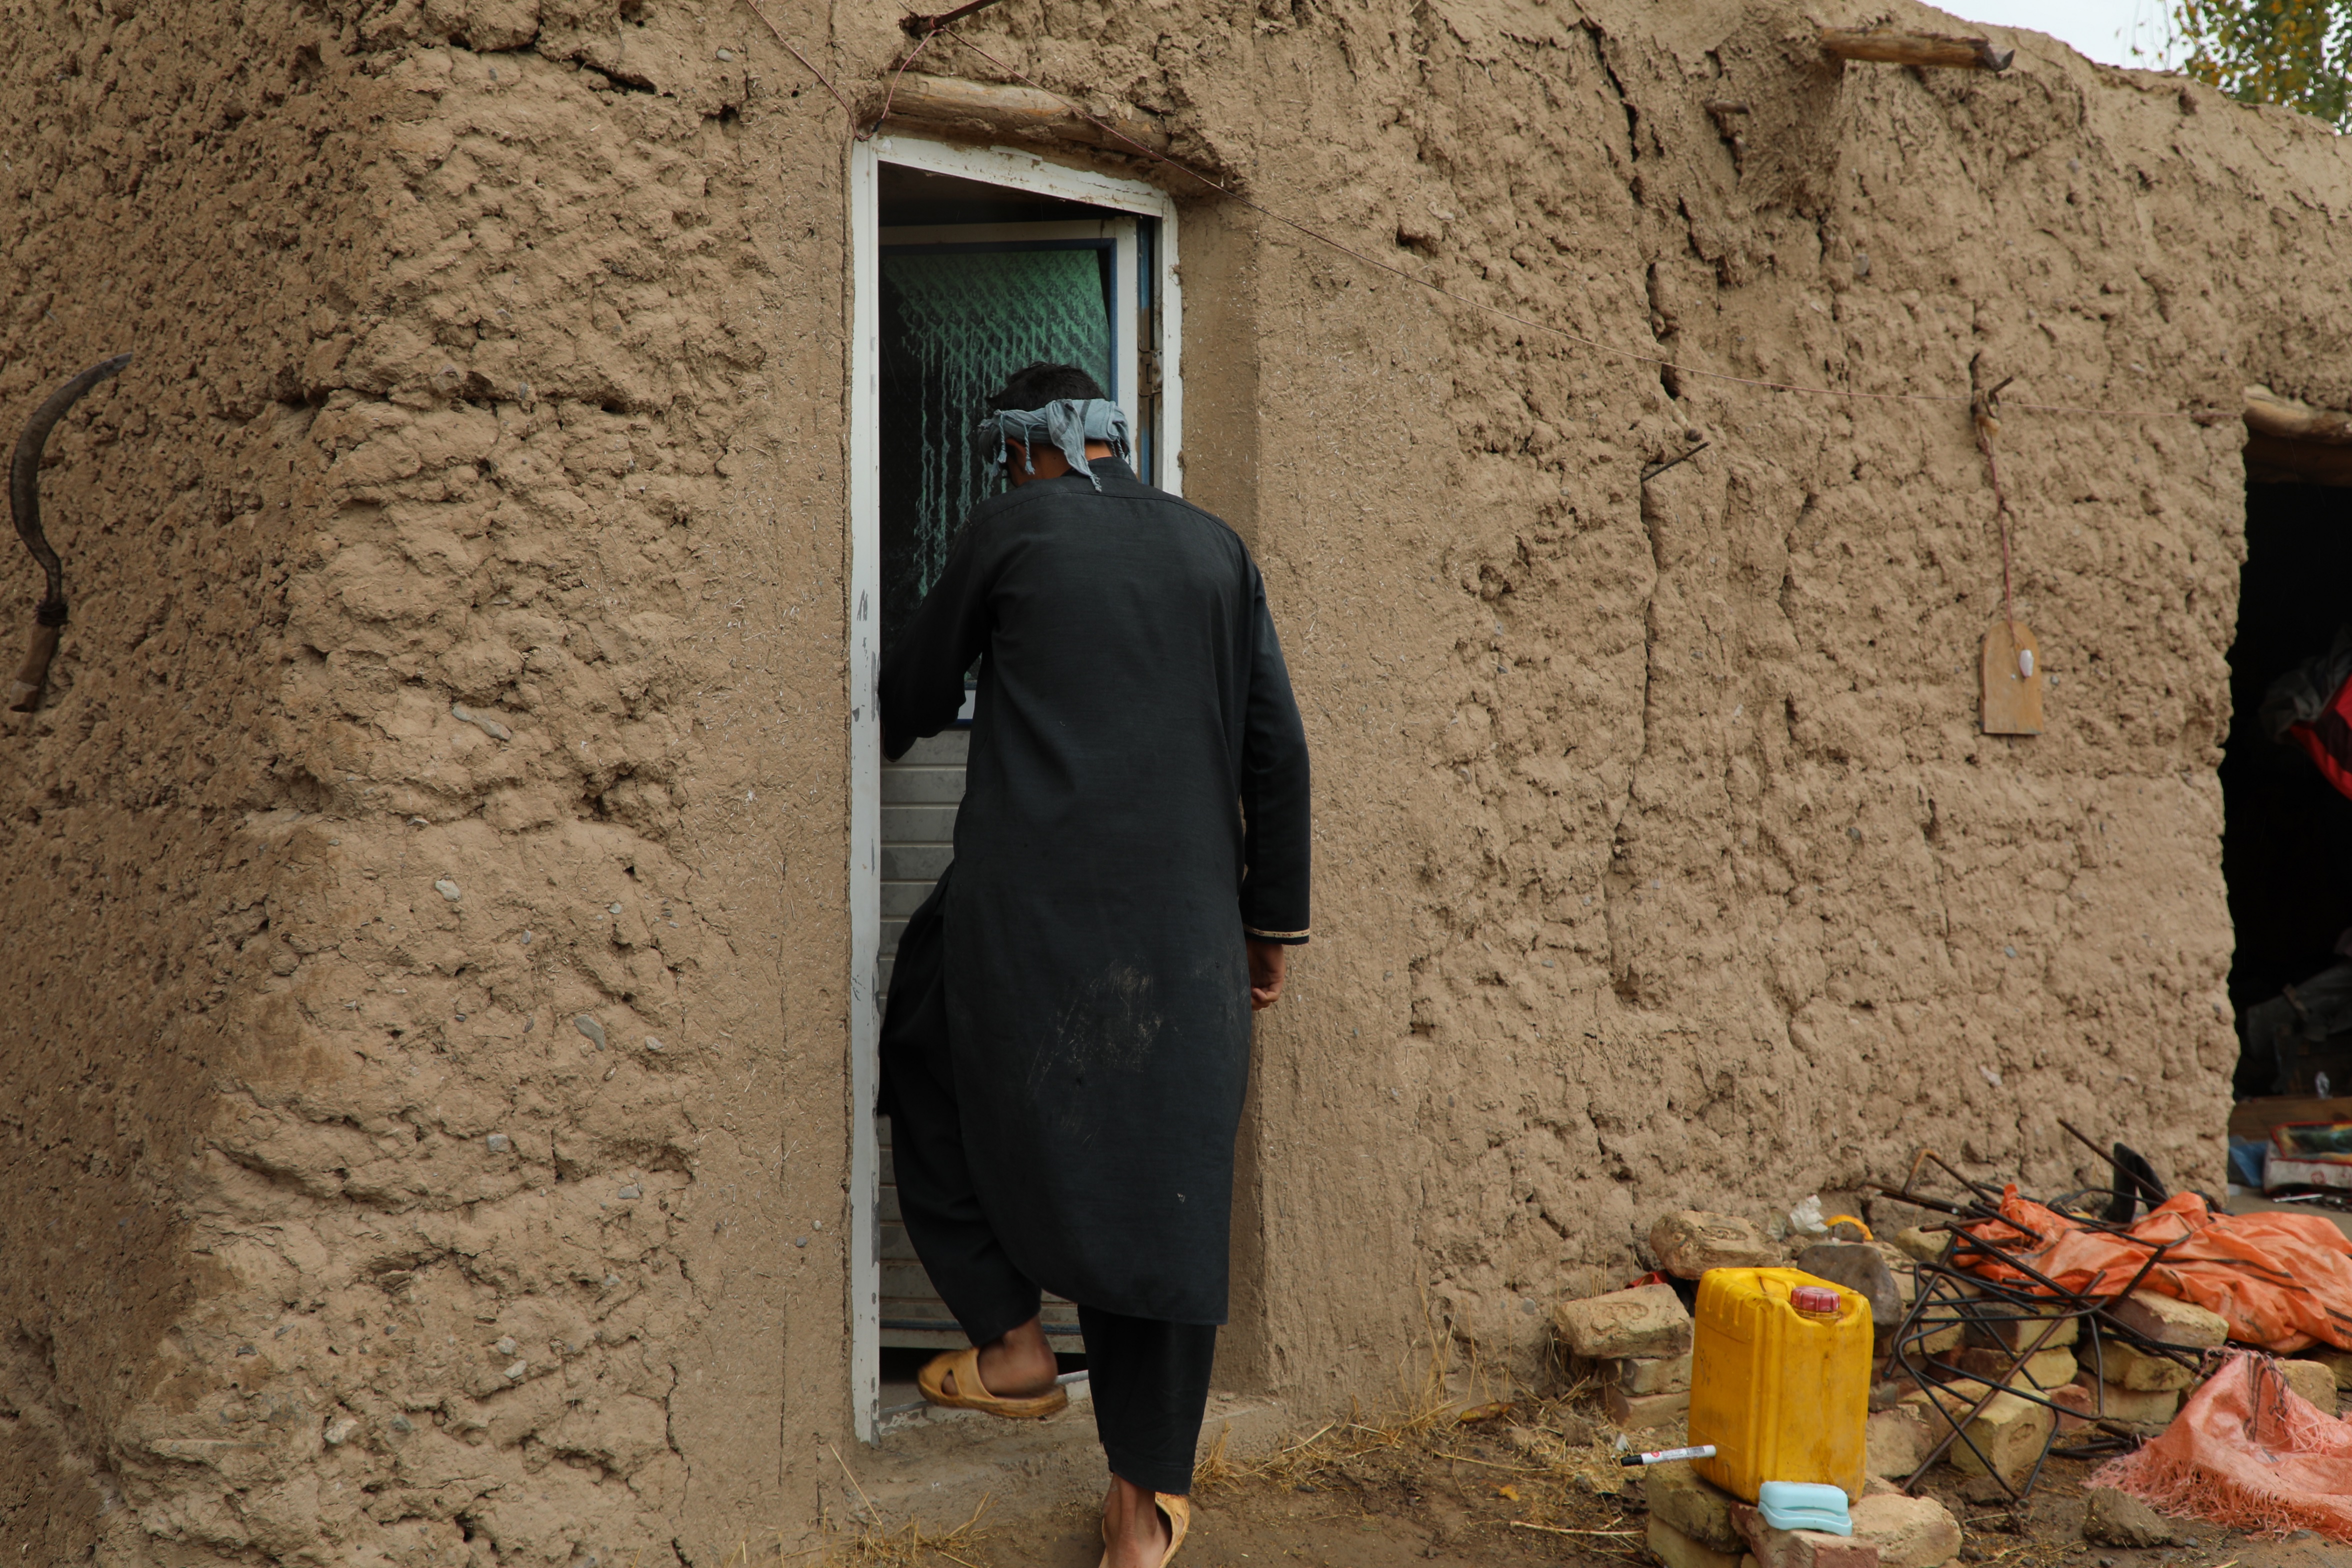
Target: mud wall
<point x="417" y="1115"/>
<point x="432" y="1121"/>
<point x="1662" y="860"/>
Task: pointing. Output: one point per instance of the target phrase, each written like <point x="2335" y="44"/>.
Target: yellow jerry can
<point x="1780" y="1380"/>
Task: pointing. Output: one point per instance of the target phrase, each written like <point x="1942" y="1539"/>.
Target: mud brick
<point x="2117" y="1404"/>
<point x="1647" y="1320"/>
<point x="1689" y="1242"/>
<point x="1651" y="1375"/>
<point x="1692" y="1505"/>
<point x="1897" y="1441"/>
<point x="2015" y="1333"/>
<point x="1909" y="1531"/>
<point x="2007" y="1433"/>
<point x="1800" y="1548"/>
<point x="2078" y="1400"/>
<point x="1676" y="1550"/>
<point x="2042" y="1370"/>
<point x="1635" y="1411"/>
<point x="2128" y="1367"/>
<point x="1927" y="1246"/>
<point x="2336" y="1361"/>
<point x="2170" y="1321"/>
<point x="1939" y="1342"/>
<point x="2314" y="1380"/>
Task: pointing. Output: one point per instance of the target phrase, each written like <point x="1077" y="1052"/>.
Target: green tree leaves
<point x="2293" y="52"/>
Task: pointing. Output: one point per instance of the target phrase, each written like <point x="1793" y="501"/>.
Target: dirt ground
<point x="1512" y="1492"/>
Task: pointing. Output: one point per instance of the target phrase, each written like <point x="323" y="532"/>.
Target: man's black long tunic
<point x="1136" y="803"/>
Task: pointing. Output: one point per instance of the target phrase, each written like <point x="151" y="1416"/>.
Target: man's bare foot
<point x="1015" y="1365"/>
<point x="1135" y="1535"/>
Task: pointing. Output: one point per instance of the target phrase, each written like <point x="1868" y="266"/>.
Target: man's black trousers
<point x="1149" y="1380"/>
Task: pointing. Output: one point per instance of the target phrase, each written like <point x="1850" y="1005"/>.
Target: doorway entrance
<point x="969" y="265"/>
<point x="2286" y="842"/>
<point x="2286" y="847"/>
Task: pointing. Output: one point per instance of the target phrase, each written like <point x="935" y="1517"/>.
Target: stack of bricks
<point x="2006" y="1435"/>
<point x="1693" y="1525"/>
<point x="1639" y="1341"/>
<point x="2123" y="1382"/>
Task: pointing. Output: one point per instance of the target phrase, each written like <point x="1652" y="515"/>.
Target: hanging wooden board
<point x="2011" y="667"/>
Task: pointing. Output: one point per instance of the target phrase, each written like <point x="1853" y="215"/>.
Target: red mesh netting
<point x="2249" y="1452"/>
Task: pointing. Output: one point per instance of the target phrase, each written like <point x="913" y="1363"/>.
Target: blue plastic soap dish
<point x="1804" y="1505"/>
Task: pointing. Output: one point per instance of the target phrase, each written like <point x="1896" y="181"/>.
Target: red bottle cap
<point x="1814" y="1298"/>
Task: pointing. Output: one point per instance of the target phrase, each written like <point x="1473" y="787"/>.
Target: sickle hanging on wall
<point x="25" y="502"/>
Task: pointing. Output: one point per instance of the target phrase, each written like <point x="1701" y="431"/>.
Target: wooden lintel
<point x="996" y="110"/>
<point x="2292" y="443"/>
<point x="1896" y="48"/>
<point x="2268" y="414"/>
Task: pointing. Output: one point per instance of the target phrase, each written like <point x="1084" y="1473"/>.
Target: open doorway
<point x="2286" y="843"/>
<point x="969" y="266"/>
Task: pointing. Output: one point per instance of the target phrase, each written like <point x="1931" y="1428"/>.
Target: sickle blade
<point x="25" y="505"/>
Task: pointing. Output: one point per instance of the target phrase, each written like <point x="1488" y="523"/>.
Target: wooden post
<point x="1899" y="48"/>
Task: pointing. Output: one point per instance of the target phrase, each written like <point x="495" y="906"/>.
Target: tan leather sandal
<point x="970" y="1394"/>
<point x="1179" y="1512"/>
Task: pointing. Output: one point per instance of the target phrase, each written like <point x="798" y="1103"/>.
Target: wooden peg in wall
<point x="1895" y="48"/>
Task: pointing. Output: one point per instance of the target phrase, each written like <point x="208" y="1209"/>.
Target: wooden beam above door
<point x="994" y="110"/>
<point x="2289" y="442"/>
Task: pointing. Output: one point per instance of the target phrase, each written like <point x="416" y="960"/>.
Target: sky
<point x="2104" y="29"/>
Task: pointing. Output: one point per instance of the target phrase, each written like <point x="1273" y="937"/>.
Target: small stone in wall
<point x="499" y="1142"/>
<point x="587" y="1025"/>
<point x="448" y="890"/>
<point x="505" y="1346"/>
<point x="339" y="1431"/>
<point x="631" y="1192"/>
<point x="514" y="1373"/>
<point x="482" y="721"/>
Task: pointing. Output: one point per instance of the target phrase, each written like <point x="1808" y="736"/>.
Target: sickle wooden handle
<point x="33" y="675"/>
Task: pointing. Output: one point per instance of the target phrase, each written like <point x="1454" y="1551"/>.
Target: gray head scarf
<point x="1068" y="423"/>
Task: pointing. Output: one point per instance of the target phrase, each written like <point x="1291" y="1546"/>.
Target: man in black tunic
<point x="1068" y="1029"/>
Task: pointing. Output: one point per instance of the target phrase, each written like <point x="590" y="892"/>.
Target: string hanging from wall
<point x="2008" y="659"/>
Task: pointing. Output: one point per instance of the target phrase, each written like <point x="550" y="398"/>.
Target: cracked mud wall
<point x="1661" y="862"/>
<point x="491" y="360"/>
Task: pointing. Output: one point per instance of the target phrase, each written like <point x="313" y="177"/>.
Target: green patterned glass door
<point x="956" y="321"/>
<point x="958" y="316"/>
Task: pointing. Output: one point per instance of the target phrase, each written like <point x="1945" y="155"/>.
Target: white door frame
<point x="1022" y="171"/>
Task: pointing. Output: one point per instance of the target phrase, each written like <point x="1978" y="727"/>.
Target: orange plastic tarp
<point x="2249" y="1452"/>
<point x="2282" y="1281"/>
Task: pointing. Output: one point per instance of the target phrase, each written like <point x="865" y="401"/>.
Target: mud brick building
<point x="446" y="881"/>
